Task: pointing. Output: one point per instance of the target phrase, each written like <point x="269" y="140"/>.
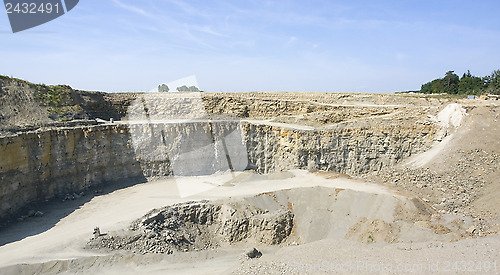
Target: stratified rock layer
<point x="39" y="165"/>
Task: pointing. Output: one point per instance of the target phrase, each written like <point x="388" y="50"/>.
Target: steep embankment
<point x="462" y="177"/>
<point x="24" y="105"/>
<point x="37" y="166"/>
<point x="349" y="150"/>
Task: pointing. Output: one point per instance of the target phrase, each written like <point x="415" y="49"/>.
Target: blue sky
<point x="314" y="45"/>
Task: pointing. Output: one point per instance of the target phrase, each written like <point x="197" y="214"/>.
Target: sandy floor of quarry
<point x="59" y="248"/>
<point x="116" y="210"/>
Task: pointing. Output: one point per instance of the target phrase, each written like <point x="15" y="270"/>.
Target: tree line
<point x="163" y="88"/>
<point x="468" y="84"/>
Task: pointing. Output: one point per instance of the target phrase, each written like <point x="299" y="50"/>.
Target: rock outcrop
<point x="199" y="225"/>
<point x="349" y="151"/>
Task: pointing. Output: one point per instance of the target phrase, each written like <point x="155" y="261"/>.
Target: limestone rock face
<point x="349" y="151"/>
<point x="39" y="165"/>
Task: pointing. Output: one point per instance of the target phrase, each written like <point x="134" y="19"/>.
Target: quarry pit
<point x="187" y="182"/>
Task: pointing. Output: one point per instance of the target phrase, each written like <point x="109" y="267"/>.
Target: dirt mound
<point x="282" y="217"/>
<point x="199" y="225"/>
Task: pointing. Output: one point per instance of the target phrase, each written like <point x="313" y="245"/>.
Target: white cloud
<point x="207" y="29"/>
<point x="131" y="8"/>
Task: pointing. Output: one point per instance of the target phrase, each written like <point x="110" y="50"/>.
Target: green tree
<point x="434" y="87"/>
<point x="493" y="82"/>
<point x="438" y="86"/>
<point x="451" y="81"/>
<point x="184" y="88"/>
<point x="426" y="88"/>
<point x="470" y="84"/>
<point x="163" y="88"/>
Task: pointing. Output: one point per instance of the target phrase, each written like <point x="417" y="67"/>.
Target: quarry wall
<point x="40" y="165"/>
<point x="349" y="150"/>
<point x="37" y="166"/>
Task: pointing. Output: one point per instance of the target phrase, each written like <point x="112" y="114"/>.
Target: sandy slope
<point x="460" y="174"/>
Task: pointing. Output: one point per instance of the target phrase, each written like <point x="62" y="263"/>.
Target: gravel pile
<point x="450" y="190"/>
<point x="197" y="226"/>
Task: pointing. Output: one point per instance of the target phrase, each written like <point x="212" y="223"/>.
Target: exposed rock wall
<point x="187" y="149"/>
<point x="39" y="165"/>
<point x="36" y="166"/>
<point x="348" y="150"/>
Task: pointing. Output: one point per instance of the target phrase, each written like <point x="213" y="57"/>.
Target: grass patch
<point x="54" y="96"/>
<point x="65" y="113"/>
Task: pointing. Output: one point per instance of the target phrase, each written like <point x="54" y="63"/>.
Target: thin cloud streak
<point x="131" y="8"/>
